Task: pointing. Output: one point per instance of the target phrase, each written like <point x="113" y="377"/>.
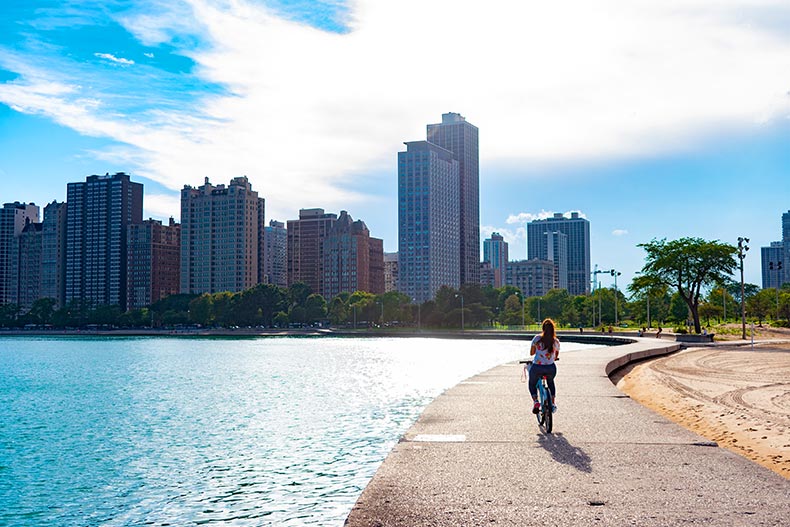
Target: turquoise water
<point x="167" y="431"/>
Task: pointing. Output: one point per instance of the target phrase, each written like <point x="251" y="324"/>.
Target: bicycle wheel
<point x="548" y="415"/>
<point x="541" y="416"/>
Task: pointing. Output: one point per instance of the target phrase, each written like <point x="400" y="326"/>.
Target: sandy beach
<point x="734" y="395"/>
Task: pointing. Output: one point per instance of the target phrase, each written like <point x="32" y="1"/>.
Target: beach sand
<point x="735" y="396"/>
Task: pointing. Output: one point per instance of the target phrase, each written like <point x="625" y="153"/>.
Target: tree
<point x="201" y="310"/>
<point x="42" y="310"/>
<point x="686" y="265"/>
<point x="315" y="308"/>
<point x="513" y="313"/>
<point x="761" y="304"/>
<point x="708" y="310"/>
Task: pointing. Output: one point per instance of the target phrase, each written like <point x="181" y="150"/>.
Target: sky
<point x="652" y="118"/>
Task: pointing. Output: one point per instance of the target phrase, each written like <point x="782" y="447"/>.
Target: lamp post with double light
<point x="742" y="249"/>
<point x="778" y="267"/>
<point x="615" y="274"/>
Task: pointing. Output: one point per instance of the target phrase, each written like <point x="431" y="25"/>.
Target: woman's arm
<point x="532" y="350"/>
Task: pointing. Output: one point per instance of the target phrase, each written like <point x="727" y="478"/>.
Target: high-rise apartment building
<point x="577" y="230"/>
<point x="29" y="282"/>
<point x="495" y="251"/>
<point x="353" y="261"/>
<point x="275" y="254"/>
<point x="154" y="262"/>
<point x="460" y="137"/>
<point x="390" y="272"/>
<point x="556" y="251"/>
<point x="221" y="235"/>
<point x="487" y="274"/>
<point x="13" y="219"/>
<point x="532" y="277"/>
<point x="429" y="230"/>
<point x="773" y="265"/>
<point x="305" y="247"/>
<point x="776" y="258"/>
<point x="53" y="253"/>
<point x="99" y="211"/>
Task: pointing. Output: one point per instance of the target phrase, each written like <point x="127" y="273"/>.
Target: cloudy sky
<point x="653" y="118"/>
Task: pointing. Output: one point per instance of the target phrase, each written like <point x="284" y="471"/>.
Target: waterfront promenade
<point x="476" y="457"/>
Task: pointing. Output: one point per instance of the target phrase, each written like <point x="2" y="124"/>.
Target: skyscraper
<point x="495" y="252"/>
<point x="429" y="231"/>
<point x="154" y="262"/>
<point x="29" y="283"/>
<point x="305" y="247"/>
<point x="390" y="272"/>
<point x="577" y="230"/>
<point x="53" y="253"/>
<point x="776" y="258"/>
<point x="221" y="234"/>
<point x="773" y="264"/>
<point x="353" y="261"/>
<point x="13" y="219"/>
<point x="99" y="211"/>
<point x="532" y="277"/>
<point x="275" y="254"/>
<point x="460" y="137"/>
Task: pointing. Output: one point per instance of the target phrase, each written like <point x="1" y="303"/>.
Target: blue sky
<point x="654" y="119"/>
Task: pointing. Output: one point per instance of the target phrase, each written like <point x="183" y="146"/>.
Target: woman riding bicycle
<point x="546" y="349"/>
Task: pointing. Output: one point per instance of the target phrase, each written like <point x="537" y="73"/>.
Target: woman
<point x="546" y="349"/>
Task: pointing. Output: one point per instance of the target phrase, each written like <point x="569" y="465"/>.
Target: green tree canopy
<point x="686" y="265"/>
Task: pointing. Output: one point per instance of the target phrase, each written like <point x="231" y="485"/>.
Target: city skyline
<point x="645" y="137"/>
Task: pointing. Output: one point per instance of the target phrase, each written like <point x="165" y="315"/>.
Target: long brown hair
<point x="548" y="335"/>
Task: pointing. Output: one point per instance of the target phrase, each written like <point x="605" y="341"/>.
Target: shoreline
<point x="738" y="397"/>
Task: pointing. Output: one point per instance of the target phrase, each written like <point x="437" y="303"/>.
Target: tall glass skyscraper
<point x="458" y="136"/>
<point x="428" y="228"/>
<point x="577" y="230"/>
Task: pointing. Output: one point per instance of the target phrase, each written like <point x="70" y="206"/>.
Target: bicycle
<point x="545" y="415"/>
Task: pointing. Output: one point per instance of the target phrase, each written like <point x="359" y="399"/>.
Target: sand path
<point x="735" y="396"/>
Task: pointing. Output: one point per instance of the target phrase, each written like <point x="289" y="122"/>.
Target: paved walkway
<point x="476" y="457"/>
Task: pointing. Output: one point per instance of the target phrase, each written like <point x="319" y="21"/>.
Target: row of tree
<point x="683" y="282"/>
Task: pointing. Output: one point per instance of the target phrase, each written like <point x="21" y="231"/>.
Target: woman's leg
<point x="551" y="372"/>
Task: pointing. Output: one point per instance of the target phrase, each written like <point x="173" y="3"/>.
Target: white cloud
<point x="162" y="206"/>
<point x="308" y="112"/>
<point x="515" y="238"/>
<point x="113" y="58"/>
<point x="149" y="55"/>
<point x="619" y="232"/>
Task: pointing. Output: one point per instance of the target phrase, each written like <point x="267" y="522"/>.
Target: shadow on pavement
<point x="564" y="452"/>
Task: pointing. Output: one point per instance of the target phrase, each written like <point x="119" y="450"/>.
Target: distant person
<point x="658" y="333"/>
<point x="546" y="349"/>
<point x="610" y="330"/>
<point x="581" y="329"/>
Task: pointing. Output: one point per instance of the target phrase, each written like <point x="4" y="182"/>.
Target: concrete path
<point x="476" y="457"/>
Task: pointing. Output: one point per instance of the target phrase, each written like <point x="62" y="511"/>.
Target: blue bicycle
<point x="545" y="413"/>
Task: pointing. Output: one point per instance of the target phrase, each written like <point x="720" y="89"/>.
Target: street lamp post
<point x="595" y="276"/>
<point x="418" y="314"/>
<point x="615" y="274"/>
<point x="778" y="267"/>
<point x="742" y="248"/>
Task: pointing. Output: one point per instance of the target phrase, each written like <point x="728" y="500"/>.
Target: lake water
<point x="190" y="431"/>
